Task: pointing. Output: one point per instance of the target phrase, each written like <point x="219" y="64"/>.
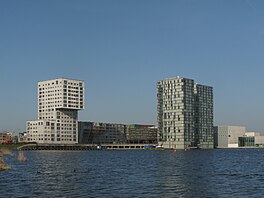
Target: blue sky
<point x="122" y="48"/>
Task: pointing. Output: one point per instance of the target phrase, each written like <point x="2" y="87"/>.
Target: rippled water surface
<point x="136" y="173"/>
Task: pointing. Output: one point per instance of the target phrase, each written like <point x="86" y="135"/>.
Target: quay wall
<point x="82" y="147"/>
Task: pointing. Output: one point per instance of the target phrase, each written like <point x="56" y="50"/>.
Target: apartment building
<point x="185" y="114"/>
<point x="141" y="134"/>
<point x="4" y="138"/>
<point x="110" y="133"/>
<point x="101" y="133"/>
<point x="59" y="101"/>
<point x="203" y="116"/>
<point x="8" y="138"/>
<point x="22" y="137"/>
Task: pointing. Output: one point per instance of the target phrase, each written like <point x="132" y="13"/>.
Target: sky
<point x="122" y="48"/>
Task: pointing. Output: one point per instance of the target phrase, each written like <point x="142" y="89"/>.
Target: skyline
<point x="121" y="49"/>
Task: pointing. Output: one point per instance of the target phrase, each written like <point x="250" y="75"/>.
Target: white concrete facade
<point x="252" y="134"/>
<point x="227" y="136"/>
<point x="259" y="138"/>
<point x="58" y="103"/>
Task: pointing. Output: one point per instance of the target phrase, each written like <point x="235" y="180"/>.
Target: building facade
<point x="59" y="101"/>
<point x="203" y="116"/>
<point x="251" y="139"/>
<point x="141" y="134"/>
<point x="228" y="136"/>
<point x="185" y="114"/>
<point x="101" y="133"/>
<point x="109" y="133"/>
<point x="4" y="138"/>
<point x="22" y="137"/>
<point x="8" y="138"/>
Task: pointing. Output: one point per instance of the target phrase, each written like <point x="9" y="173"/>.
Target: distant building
<point x="4" y="138"/>
<point x="22" y="137"/>
<point x="85" y="132"/>
<point x="101" y="133"/>
<point x="227" y="136"/>
<point x="58" y="103"/>
<point x="109" y="133"/>
<point x="185" y="114"/>
<point x="143" y="134"/>
<point x="8" y="138"/>
<point x="14" y="138"/>
<point x="251" y="139"/>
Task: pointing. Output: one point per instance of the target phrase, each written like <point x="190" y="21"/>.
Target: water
<point x="136" y="173"/>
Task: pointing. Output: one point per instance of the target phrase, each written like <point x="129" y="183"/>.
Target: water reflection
<point x="197" y="173"/>
<point x="185" y="174"/>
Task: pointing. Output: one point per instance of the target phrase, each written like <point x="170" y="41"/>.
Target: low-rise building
<point x="143" y="134"/>
<point x="3" y="138"/>
<point x="8" y="138"/>
<point x="251" y="139"/>
<point x="109" y="133"/>
<point x="22" y="137"/>
<point x="41" y="131"/>
<point x="227" y="136"/>
<point x="259" y="141"/>
<point x="101" y="133"/>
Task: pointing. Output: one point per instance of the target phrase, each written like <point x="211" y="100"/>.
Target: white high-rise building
<point x="185" y="114"/>
<point x="58" y="103"/>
